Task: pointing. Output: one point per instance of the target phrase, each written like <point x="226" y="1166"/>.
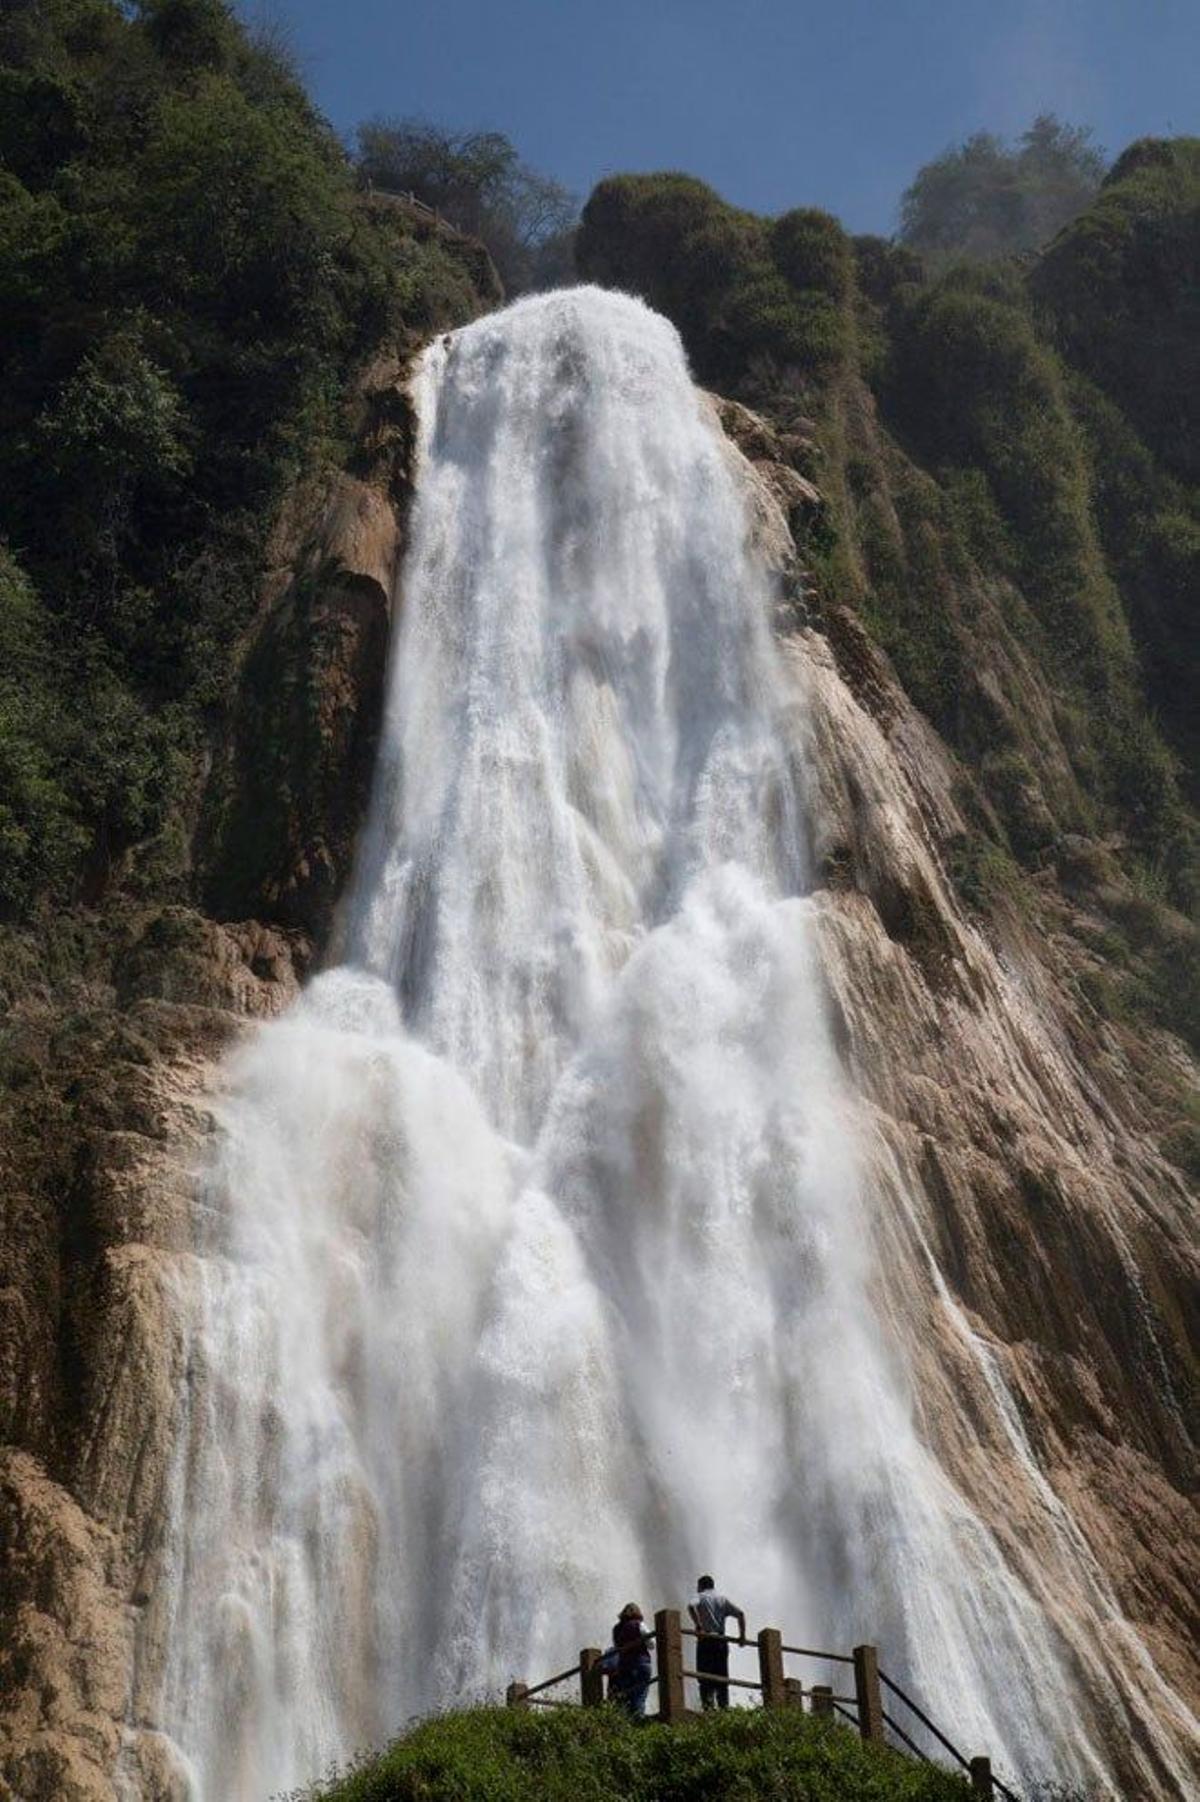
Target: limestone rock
<point x="101" y="1146"/>
<point x="360" y="536"/>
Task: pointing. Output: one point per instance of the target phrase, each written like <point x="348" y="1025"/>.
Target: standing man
<point x="709" y="1612"/>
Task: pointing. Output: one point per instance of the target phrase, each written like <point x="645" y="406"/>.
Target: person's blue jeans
<point x="631" y="1693"/>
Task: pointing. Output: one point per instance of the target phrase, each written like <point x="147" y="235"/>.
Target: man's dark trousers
<point x="713" y="1655"/>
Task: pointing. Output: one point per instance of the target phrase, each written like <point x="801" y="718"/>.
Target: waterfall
<point x="537" y="1272"/>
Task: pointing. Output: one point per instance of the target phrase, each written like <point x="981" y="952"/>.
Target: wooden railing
<point x="405" y="197"/>
<point x="864" y="1709"/>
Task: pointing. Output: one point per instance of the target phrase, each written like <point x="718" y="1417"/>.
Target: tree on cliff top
<point x="477" y="181"/>
<point x="983" y="199"/>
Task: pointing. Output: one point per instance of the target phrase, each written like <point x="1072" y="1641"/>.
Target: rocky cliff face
<point x="1013" y="1140"/>
<point x="112" y="1058"/>
<point x="1014" y="1134"/>
<point x="111" y="1108"/>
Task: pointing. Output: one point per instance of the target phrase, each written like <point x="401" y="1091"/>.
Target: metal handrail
<point x="925" y="1721"/>
<point x="809" y="1652"/>
<point x="912" y="1745"/>
<point x="536" y="1688"/>
<point x="737" y="1639"/>
<point x="997" y="1782"/>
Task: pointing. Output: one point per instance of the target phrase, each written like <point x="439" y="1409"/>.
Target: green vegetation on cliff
<point x="187" y="281"/>
<point x="501" y="1755"/>
<point x="477" y="181"/>
<point x="983" y="198"/>
<point x="750" y="296"/>
<point x="1003" y="451"/>
<point x="1119" y="293"/>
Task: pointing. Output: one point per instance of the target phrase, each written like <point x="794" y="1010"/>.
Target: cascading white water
<point x="538" y="1273"/>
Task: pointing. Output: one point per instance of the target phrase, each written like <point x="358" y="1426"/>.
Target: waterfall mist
<point x="538" y="1268"/>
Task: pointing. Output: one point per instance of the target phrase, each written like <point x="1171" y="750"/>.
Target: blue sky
<point x="777" y="103"/>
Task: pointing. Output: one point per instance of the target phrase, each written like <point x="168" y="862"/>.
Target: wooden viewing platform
<point x="864" y="1709"/>
<point x="404" y="197"/>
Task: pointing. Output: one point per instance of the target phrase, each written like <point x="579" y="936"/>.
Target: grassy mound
<point x="575" y="1755"/>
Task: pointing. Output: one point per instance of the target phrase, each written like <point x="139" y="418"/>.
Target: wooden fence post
<point x="793" y="1692"/>
<point x="770" y="1667"/>
<point x="668" y="1651"/>
<point x="822" y="1699"/>
<point x="866" y="1691"/>
<point x="981" y="1777"/>
<point x="591" y="1677"/>
<point x="517" y="1692"/>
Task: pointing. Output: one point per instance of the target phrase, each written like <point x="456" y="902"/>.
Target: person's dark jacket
<point x="633" y="1653"/>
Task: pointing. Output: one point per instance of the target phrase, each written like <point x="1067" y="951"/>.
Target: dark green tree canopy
<point x="187" y="279"/>
<point x="1122" y="286"/>
<point x="756" y="302"/>
<point x="983" y="198"/>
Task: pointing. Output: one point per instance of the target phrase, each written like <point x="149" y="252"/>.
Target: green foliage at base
<point x="575" y="1755"/>
<point x="188" y="278"/>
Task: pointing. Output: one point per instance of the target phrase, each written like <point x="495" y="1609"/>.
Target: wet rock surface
<point x="1014" y="1135"/>
<point x="102" y="1139"/>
